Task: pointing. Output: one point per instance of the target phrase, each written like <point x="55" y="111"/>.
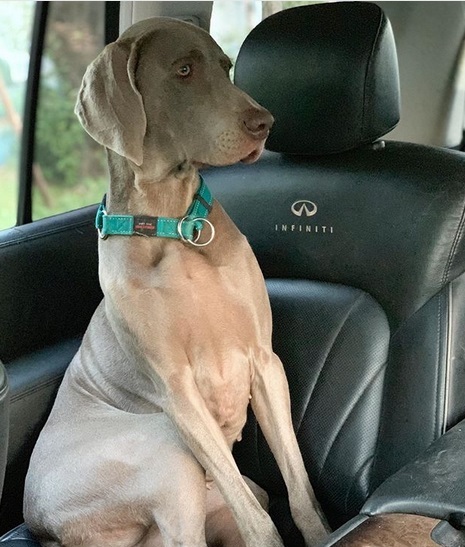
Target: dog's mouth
<point x="254" y="155"/>
<point x="249" y="157"/>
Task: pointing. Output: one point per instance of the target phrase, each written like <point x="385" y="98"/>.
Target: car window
<point x="69" y="169"/>
<point x="16" y="21"/>
<point x="246" y="14"/>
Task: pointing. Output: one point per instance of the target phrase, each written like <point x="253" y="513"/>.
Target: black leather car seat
<point x="361" y="242"/>
<point x="49" y="290"/>
<point x="333" y="203"/>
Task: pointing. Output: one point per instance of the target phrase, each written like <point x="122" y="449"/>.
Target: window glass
<point x="232" y="20"/>
<point x="69" y="170"/>
<point x="16" y="21"/>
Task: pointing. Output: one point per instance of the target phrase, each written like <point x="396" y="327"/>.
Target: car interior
<point x="356" y="213"/>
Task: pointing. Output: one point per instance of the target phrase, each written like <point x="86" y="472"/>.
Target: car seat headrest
<point x="328" y="73"/>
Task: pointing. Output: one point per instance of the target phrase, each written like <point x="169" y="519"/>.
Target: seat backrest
<point x="49" y="291"/>
<point x="362" y="244"/>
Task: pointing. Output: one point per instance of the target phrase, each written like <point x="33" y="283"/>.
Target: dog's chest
<point x="223" y="325"/>
<point x="223" y="335"/>
<point x="225" y="389"/>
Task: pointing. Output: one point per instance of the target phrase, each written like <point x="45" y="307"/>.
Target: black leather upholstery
<point x="49" y="290"/>
<point x="386" y="217"/>
<point x="61" y="253"/>
<point x="399" y="251"/>
<point x="332" y="70"/>
<point x="432" y="485"/>
<point x="20" y="536"/>
<point x="333" y="341"/>
<point x="401" y="242"/>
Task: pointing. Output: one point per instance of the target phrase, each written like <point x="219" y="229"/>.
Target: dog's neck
<point x="134" y="192"/>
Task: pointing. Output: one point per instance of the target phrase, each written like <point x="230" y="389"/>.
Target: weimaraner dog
<point x="137" y="449"/>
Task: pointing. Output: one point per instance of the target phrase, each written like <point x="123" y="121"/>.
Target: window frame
<point x="26" y="155"/>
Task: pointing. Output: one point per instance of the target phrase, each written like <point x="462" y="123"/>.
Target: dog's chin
<point x="248" y="157"/>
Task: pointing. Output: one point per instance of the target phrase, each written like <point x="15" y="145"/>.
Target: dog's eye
<point x="184" y="71"/>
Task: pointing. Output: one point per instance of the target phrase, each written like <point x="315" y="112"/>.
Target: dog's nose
<point x="258" y="122"/>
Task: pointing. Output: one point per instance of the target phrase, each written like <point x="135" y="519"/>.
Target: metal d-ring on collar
<point x="187" y="228"/>
<point x="199" y="231"/>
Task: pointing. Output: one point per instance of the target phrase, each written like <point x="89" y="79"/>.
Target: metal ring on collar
<point x="194" y="241"/>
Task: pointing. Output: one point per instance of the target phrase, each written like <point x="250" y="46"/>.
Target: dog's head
<point x="161" y="97"/>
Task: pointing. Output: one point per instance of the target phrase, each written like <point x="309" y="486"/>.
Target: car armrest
<point x="432" y="485"/>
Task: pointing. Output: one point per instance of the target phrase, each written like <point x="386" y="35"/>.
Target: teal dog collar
<point x="187" y="228"/>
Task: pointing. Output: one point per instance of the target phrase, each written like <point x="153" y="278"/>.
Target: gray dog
<point x="137" y="449"/>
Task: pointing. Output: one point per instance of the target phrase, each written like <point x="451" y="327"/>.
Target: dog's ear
<point x="109" y="106"/>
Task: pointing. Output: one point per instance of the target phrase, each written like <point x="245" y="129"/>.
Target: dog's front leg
<point x="202" y="434"/>
<point x="271" y="406"/>
<point x="182" y="402"/>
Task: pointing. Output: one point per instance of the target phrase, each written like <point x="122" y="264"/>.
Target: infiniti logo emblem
<point x="304" y="206"/>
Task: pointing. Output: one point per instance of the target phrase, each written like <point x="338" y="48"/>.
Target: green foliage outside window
<point x="66" y="154"/>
